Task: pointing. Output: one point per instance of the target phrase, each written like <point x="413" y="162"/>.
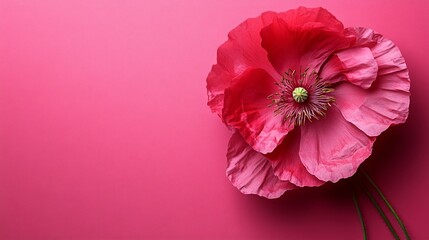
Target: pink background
<point x="105" y="132"/>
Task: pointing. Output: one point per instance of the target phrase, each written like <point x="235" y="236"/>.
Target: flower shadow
<point x="395" y="149"/>
<point x="300" y="205"/>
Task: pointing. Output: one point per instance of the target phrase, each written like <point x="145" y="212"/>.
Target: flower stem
<point x="380" y="211"/>
<point x="401" y="224"/>
<point x="355" y="200"/>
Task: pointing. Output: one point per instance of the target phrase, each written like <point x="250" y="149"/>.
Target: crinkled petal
<point x="247" y="110"/>
<point x="386" y="102"/>
<point x="356" y="65"/>
<point x="302" y="16"/>
<point x="217" y="80"/>
<point x="372" y="111"/>
<point x="251" y="172"/>
<point x="293" y="43"/>
<point x="332" y="148"/>
<point x="288" y="166"/>
<point x="241" y="51"/>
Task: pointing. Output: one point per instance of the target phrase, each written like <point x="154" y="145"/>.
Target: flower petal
<point x="288" y="166"/>
<point x="302" y="16"/>
<point x="217" y="80"/>
<point x="251" y="172"/>
<point x="357" y="65"/>
<point x="294" y="43"/>
<point x="241" y="50"/>
<point x="247" y="110"/>
<point x="332" y="148"/>
<point x="386" y="102"/>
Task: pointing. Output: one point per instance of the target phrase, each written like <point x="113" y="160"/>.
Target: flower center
<point x="302" y="97"/>
<point x="299" y="94"/>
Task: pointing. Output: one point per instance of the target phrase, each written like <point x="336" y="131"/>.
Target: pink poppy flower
<point x="306" y="98"/>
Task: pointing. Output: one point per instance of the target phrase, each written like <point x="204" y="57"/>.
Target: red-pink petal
<point x="241" y="50"/>
<point x="247" y="110"/>
<point x="332" y="148"/>
<point x="251" y="172"/>
<point x="386" y="102"/>
<point x="217" y="80"/>
<point x="302" y="16"/>
<point x="356" y="65"/>
<point x="296" y="43"/>
<point x="288" y="166"/>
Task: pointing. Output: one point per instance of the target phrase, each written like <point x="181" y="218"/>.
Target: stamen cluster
<point x="301" y="97"/>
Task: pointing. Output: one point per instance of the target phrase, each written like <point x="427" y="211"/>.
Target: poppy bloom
<point x="305" y="97"/>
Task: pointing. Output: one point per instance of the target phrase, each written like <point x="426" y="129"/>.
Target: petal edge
<point x="251" y="173"/>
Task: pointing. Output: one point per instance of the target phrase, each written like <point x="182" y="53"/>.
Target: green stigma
<point x="299" y="94"/>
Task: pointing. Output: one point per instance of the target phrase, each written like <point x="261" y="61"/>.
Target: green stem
<point x="401" y="224"/>
<point x="380" y="211"/>
<point x="360" y="215"/>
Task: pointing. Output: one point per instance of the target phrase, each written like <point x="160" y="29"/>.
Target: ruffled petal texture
<point x="287" y="164"/>
<point x="332" y="148"/>
<point x="355" y="65"/>
<point x="302" y="16"/>
<point x="247" y="110"/>
<point x="241" y="51"/>
<point x="251" y="172"/>
<point x="303" y="38"/>
<point x="386" y="102"/>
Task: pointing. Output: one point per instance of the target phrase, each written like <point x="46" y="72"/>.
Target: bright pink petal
<point x="386" y="102"/>
<point x="373" y="111"/>
<point x="288" y="166"/>
<point x="247" y="110"/>
<point x="356" y="65"/>
<point x="241" y="51"/>
<point x="251" y="172"/>
<point x="332" y="148"/>
<point x="299" y="44"/>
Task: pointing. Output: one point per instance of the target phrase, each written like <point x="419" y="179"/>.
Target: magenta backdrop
<point x="105" y="132"/>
